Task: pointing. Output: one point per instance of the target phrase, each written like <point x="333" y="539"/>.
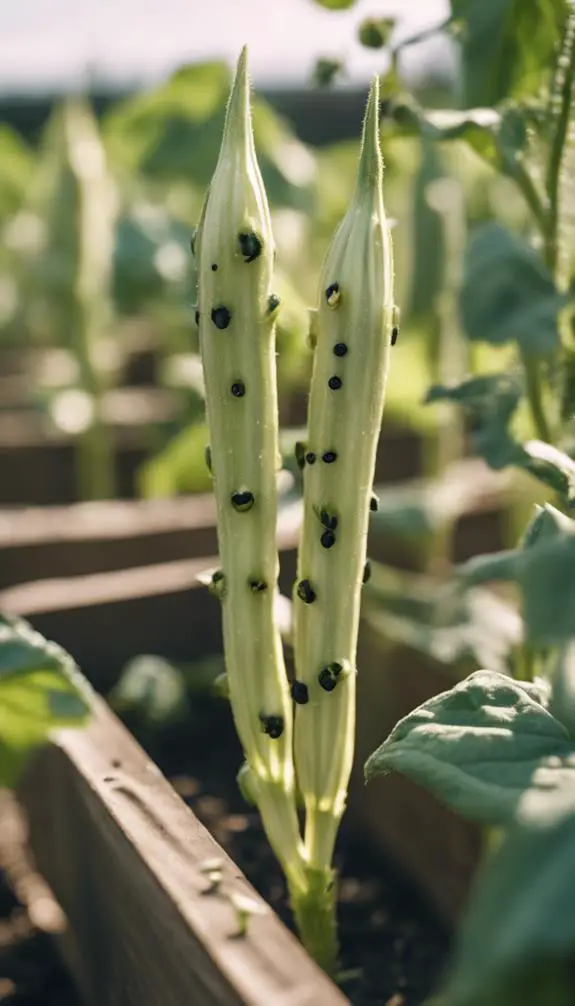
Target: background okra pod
<point x="354" y="332"/>
<point x="236" y="312"/>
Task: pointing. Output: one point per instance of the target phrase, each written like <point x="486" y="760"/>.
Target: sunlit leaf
<point x="41" y="690"/>
<point x="479" y="746"/>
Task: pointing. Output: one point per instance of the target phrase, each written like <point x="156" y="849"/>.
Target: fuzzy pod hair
<point x="234" y="250"/>
<point x="354" y="332"/>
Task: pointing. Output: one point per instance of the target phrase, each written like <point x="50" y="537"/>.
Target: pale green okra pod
<point x="354" y="329"/>
<point x="236" y="312"/>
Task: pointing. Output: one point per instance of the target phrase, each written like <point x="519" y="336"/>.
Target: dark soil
<point x="393" y="948"/>
<point x="31" y="972"/>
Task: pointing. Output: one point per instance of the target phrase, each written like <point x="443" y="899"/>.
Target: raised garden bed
<point x="104" y="581"/>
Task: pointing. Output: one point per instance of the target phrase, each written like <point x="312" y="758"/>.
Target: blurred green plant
<point x="41" y="690"/>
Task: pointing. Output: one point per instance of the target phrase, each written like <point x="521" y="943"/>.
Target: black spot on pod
<point x="257" y="585"/>
<point x="327" y="539"/>
<point x="243" y="500"/>
<point x="214" y="267"/>
<point x="333" y="294"/>
<point x="272" y="725"/>
<point x="299" y="451"/>
<point x="221" y="317"/>
<point x="273" y="303"/>
<point x="238" y="389"/>
<point x="335" y="383"/>
<point x="299" y="693"/>
<point x="366" y="572"/>
<point x="310" y="458"/>
<point x="197" y="317"/>
<point x="306" y="592"/>
<point x="328" y="520"/>
<point x="340" y="349"/>
<point x="328" y="676"/>
<point x="250" y="246"/>
<point x="374" y="503"/>
<point x="394" y="335"/>
<point x="208" y="457"/>
<point x="193" y="240"/>
<point x="217" y="586"/>
<point x="329" y="457"/>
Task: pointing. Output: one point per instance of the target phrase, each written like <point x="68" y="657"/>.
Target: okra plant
<point x="353" y="328"/>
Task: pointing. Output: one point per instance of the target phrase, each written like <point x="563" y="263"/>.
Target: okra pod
<point x="354" y="332"/>
<point x="236" y="313"/>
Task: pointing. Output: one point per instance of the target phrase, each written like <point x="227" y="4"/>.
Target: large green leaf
<point x="40" y="690"/>
<point x="507" y="295"/>
<point x="506" y="46"/>
<point x="517" y="943"/>
<point x="479" y="746"/>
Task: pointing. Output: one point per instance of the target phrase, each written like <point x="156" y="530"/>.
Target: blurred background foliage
<point x="96" y="217"/>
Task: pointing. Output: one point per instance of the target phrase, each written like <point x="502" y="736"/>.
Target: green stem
<point x="315" y="914"/>
<point x="534" y="391"/>
<point x="561" y="112"/>
<point x="525" y="664"/>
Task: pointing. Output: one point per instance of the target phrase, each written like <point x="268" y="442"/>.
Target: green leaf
<point x="460" y="629"/>
<point x="506" y="46"/>
<point x="150" y="690"/>
<point x="326" y="71"/>
<point x="507" y="295"/>
<point x="479" y="746"/>
<point x="544" y="570"/>
<point x="41" y="690"/>
<point x="490" y="403"/>
<point x="552" y="467"/>
<point x="180" y="467"/>
<point x="547" y="523"/>
<point x="516" y="944"/>
<point x="546" y="576"/>
<point x="477" y="127"/>
<point x="375" y="33"/>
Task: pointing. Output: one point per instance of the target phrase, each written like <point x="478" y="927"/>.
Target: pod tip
<point x="371" y="162"/>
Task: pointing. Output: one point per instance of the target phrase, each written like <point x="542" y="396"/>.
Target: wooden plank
<point x="124" y="857"/>
<point x="106" y="618"/>
<point x="82" y="538"/>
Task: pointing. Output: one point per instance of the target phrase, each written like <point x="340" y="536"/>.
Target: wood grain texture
<point x="124" y="857"/>
<point x="38" y="543"/>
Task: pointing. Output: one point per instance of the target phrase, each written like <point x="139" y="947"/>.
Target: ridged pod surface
<point x="236" y="313"/>
<point x="354" y="328"/>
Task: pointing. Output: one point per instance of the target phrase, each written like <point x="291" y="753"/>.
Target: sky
<point x="53" y="43"/>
